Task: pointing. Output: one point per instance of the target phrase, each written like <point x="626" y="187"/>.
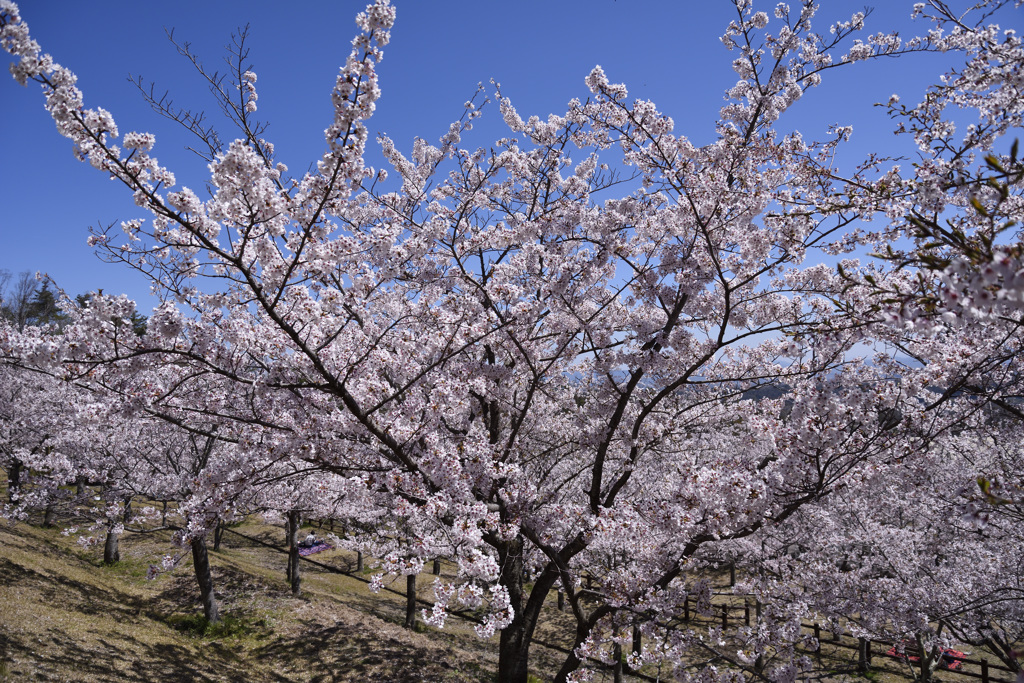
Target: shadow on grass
<point x="347" y="652"/>
<point x="71" y="619"/>
<point x="125" y="658"/>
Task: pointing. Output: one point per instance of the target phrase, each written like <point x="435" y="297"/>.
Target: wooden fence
<point x="863" y="646"/>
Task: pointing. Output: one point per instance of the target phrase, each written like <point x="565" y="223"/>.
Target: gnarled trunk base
<point x="514" y="641"/>
<point x="111" y="549"/>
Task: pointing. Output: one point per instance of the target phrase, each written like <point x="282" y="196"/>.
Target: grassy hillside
<point x="66" y="617"/>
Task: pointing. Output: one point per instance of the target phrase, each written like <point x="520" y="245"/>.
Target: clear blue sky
<point x="539" y="50"/>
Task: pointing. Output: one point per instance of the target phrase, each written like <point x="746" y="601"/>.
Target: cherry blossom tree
<point x="893" y="557"/>
<point x="541" y="378"/>
<point x="40" y="437"/>
<point x="951" y="294"/>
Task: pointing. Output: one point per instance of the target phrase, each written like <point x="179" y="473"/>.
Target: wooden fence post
<point x="984" y="671"/>
<point x="732" y="574"/>
<point x="746" y="612"/>
<point x="437" y="567"/>
<point x="686" y="608"/>
<point x="561" y="601"/>
<point x="359" y="561"/>
<point x="725" y="616"/>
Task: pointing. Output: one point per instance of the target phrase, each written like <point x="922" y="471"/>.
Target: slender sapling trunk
<point x="294" y="577"/>
<point x="410" y="601"/>
<point x="201" y="564"/>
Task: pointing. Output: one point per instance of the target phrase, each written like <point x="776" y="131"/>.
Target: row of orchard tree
<point x="501" y="362"/>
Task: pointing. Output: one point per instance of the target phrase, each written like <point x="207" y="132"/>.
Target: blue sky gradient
<point x="667" y="51"/>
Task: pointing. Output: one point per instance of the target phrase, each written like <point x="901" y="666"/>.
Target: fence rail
<point x="984" y="665"/>
<point x="864" y="646"/>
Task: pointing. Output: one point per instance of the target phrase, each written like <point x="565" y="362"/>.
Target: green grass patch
<point x="127" y="567"/>
<point x="229" y="626"/>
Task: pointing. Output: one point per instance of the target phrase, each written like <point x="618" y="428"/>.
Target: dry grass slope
<point x="65" y="617"/>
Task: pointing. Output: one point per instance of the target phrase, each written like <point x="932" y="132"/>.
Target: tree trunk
<point x="410" y="601"/>
<point x="80" y="486"/>
<point x="218" y="534"/>
<point x="201" y="564"/>
<point x="359" y="561"/>
<point x="111" y="549"/>
<point x="13" y="480"/>
<point x="572" y="661"/>
<point x="617" y="666"/>
<point x="48" y="516"/>
<point x="127" y="510"/>
<point x="294" y="575"/>
<point x="163" y="515"/>
<point x="514" y="641"/>
<point x="637" y="646"/>
<point x="928" y="660"/>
